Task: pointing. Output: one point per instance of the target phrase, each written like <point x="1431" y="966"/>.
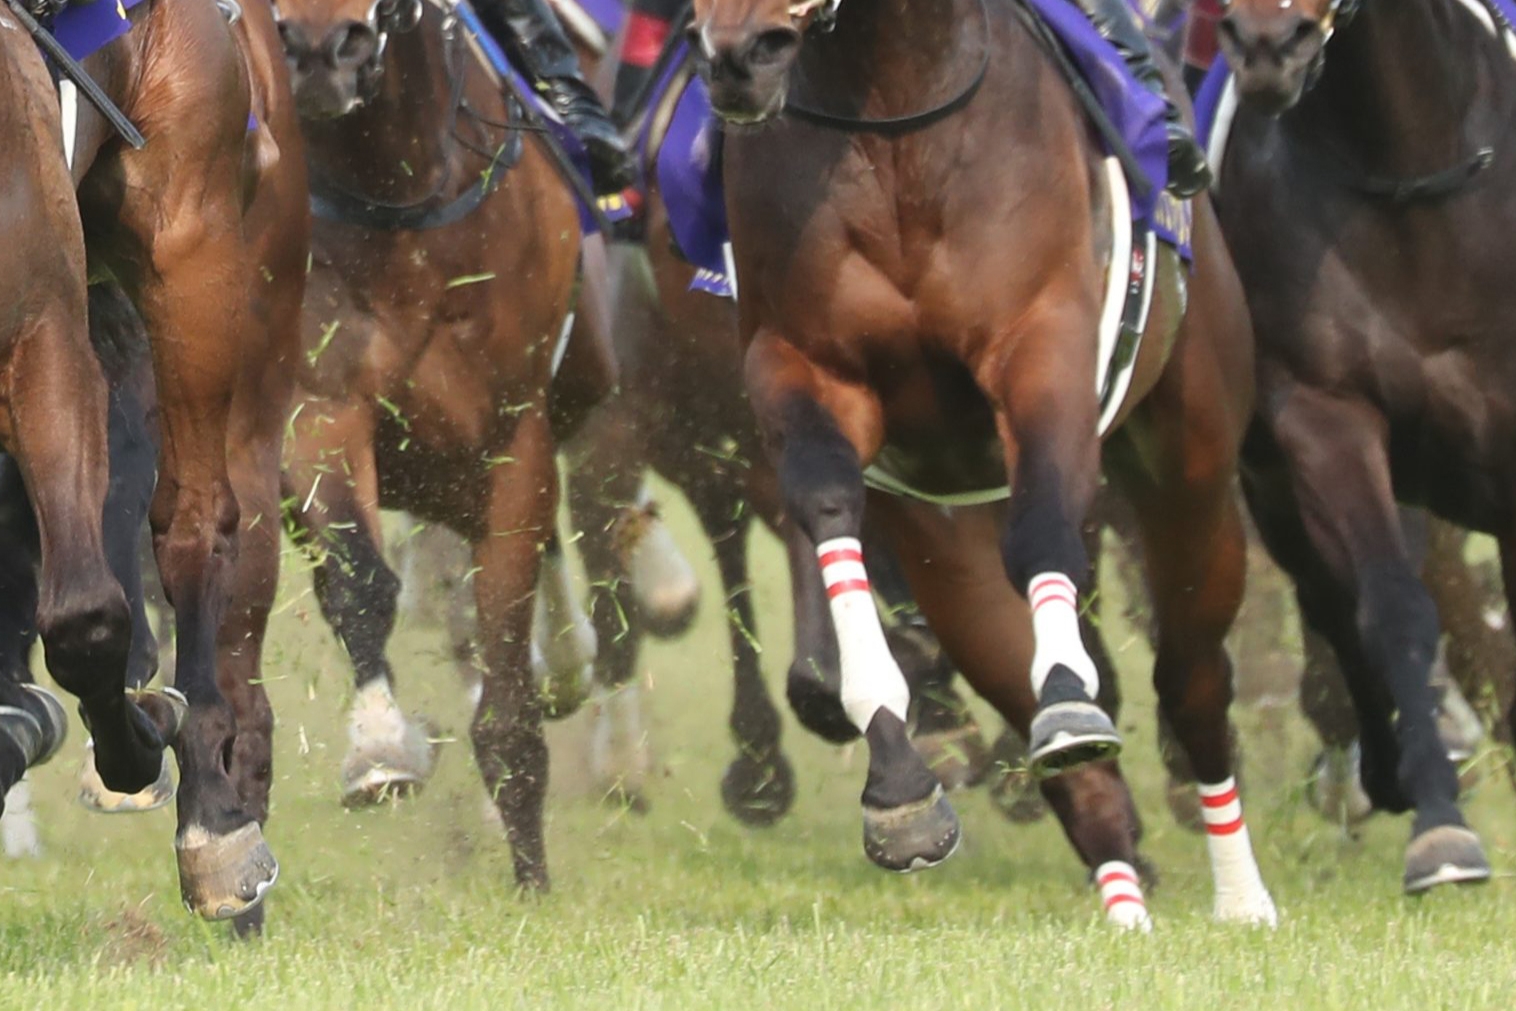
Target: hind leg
<point x="332" y="492"/>
<point x="960" y="585"/>
<point x="1195" y="552"/>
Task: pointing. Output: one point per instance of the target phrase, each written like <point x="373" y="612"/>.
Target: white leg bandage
<point x="18" y="826"/>
<point x="1240" y="892"/>
<point x="1121" y="894"/>
<point x="870" y="677"/>
<point x="374" y="717"/>
<point x="1055" y="624"/>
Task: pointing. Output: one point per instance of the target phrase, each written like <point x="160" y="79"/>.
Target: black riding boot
<point x="1189" y="172"/>
<point x="530" y="30"/>
<point x="649" y="23"/>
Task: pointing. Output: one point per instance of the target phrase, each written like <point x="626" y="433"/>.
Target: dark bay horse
<point x="1367" y="193"/>
<point x="205" y="230"/>
<point x="934" y="293"/>
<point x="430" y="350"/>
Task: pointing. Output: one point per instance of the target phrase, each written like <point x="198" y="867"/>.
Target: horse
<point x="1364" y="193"/>
<point x="430" y="349"/>
<point x="204" y="229"/>
<point x="920" y="248"/>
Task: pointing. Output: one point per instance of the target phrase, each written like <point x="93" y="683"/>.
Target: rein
<point x="1415" y="189"/>
<point x="331" y="202"/>
<point x="821" y="15"/>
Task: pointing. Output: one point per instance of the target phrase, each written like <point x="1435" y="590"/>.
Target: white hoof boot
<point x="18" y="825"/>
<point x="1240" y="893"/>
<point x="664" y="584"/>
<point x="1121" y="894"/>
<point x="388" y="755"/>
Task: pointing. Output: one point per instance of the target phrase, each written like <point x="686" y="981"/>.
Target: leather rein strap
<point x="894" y="126"/>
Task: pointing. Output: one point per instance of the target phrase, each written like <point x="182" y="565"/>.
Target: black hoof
<point x="758" y="793"/>
<point x="1066" y="735"/>
<point x="912" y="837"/>
<point x="1444" y="855"/>
<point x="819" y="709"/>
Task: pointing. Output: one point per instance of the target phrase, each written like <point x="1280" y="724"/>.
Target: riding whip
<point x="71" y="69"/>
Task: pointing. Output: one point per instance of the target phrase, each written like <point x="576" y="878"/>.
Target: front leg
<point x="907" y="821"/>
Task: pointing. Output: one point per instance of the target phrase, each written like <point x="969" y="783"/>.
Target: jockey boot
<point x="1189" y="172"/>
<point x="530" y="31"/>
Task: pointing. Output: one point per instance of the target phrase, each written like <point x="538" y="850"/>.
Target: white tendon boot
<point x="1240" y="893"/>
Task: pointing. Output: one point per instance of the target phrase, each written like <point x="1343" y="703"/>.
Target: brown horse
<point x="930" y="291"/>
<point x="1371" y="242"/>
<point x="430" y="345"/>
<point x="205" y="230"/>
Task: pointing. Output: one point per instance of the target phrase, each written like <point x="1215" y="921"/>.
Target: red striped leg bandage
<point x="870" y="677"/>
<point x="1055" y="623"/>
<point x="1240" y="892"/>
<point x="1121" y="894"/>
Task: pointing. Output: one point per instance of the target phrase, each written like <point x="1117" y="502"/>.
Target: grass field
<point x="412" y="906"/>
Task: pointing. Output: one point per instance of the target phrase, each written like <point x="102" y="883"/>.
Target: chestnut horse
<point x="431" y="339"/>
<point x="1371" y="242"/>
<point x="205" y="230"/>
<point x="932" y="288"/>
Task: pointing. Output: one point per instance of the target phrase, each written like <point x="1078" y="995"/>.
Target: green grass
<point x="412" y="905"/>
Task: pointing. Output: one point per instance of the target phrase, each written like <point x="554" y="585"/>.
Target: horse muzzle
<point x="1274" y="57"/>
<point x="334" y="74"/>
<point x="746" y="71"/>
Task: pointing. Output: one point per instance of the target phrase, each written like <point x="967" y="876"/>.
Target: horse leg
<point x="983" y="625"/>
<point x="588" y="372"/>
<point x="509" y="746"/>
<point x="53" y="519"/>
<point x="1358" y="584"/>
<point x="332" y="491"/>
<point x="908" y="822"/>
<point x="1195" y="551"/>
<point x="562" y="636"/>
<point x="943" y="729"/>
<point x="133" y="465"/>
<point x="759" y="785"/>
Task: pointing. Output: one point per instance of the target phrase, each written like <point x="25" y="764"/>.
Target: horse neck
<point x="890" y="57"/>
<point x="395" y="147"/>
<point x="1396" y="87"/>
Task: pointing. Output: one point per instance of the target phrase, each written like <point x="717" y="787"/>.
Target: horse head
<point x="335" y="49"/>
<point x="1276" y="47"/>
<point x="745" y="49"/>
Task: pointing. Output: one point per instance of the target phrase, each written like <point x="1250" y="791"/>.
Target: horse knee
<point x="88" y="637"/>
<point x="820" y="474"/>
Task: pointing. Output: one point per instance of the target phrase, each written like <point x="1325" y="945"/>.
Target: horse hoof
<point x="389" y="755"/>
<point x="54" y="723"/>
<point x="1444" y="855"/>
<point x="97" y="797"/>
<point x="562" y="693"/>
<point x="1065" y="735"/>
<point x="1254" y="908"/>
<point x="224" y="876"/>
<point x="957" y="757"/>
<point x="758" y="793"/>
<point x="912" y="837"/>
<point x="666" y="588"/>
<point x="166" y="707"/>
<point x="819" y="709"/>
<point x="1335" y="788"/>
<point x="39" y="729"/>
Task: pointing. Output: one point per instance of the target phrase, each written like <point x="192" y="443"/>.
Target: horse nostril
<point x="293" y="40"/>
<point x="1230" y="32"/>
<point x="773" y="45"/>
<point x="1301" y="35"/>
<point x="351" y="44"/>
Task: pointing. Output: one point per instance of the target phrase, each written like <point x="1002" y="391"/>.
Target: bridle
<point x="332" y="202"/>
<point x="820" y="17"/>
